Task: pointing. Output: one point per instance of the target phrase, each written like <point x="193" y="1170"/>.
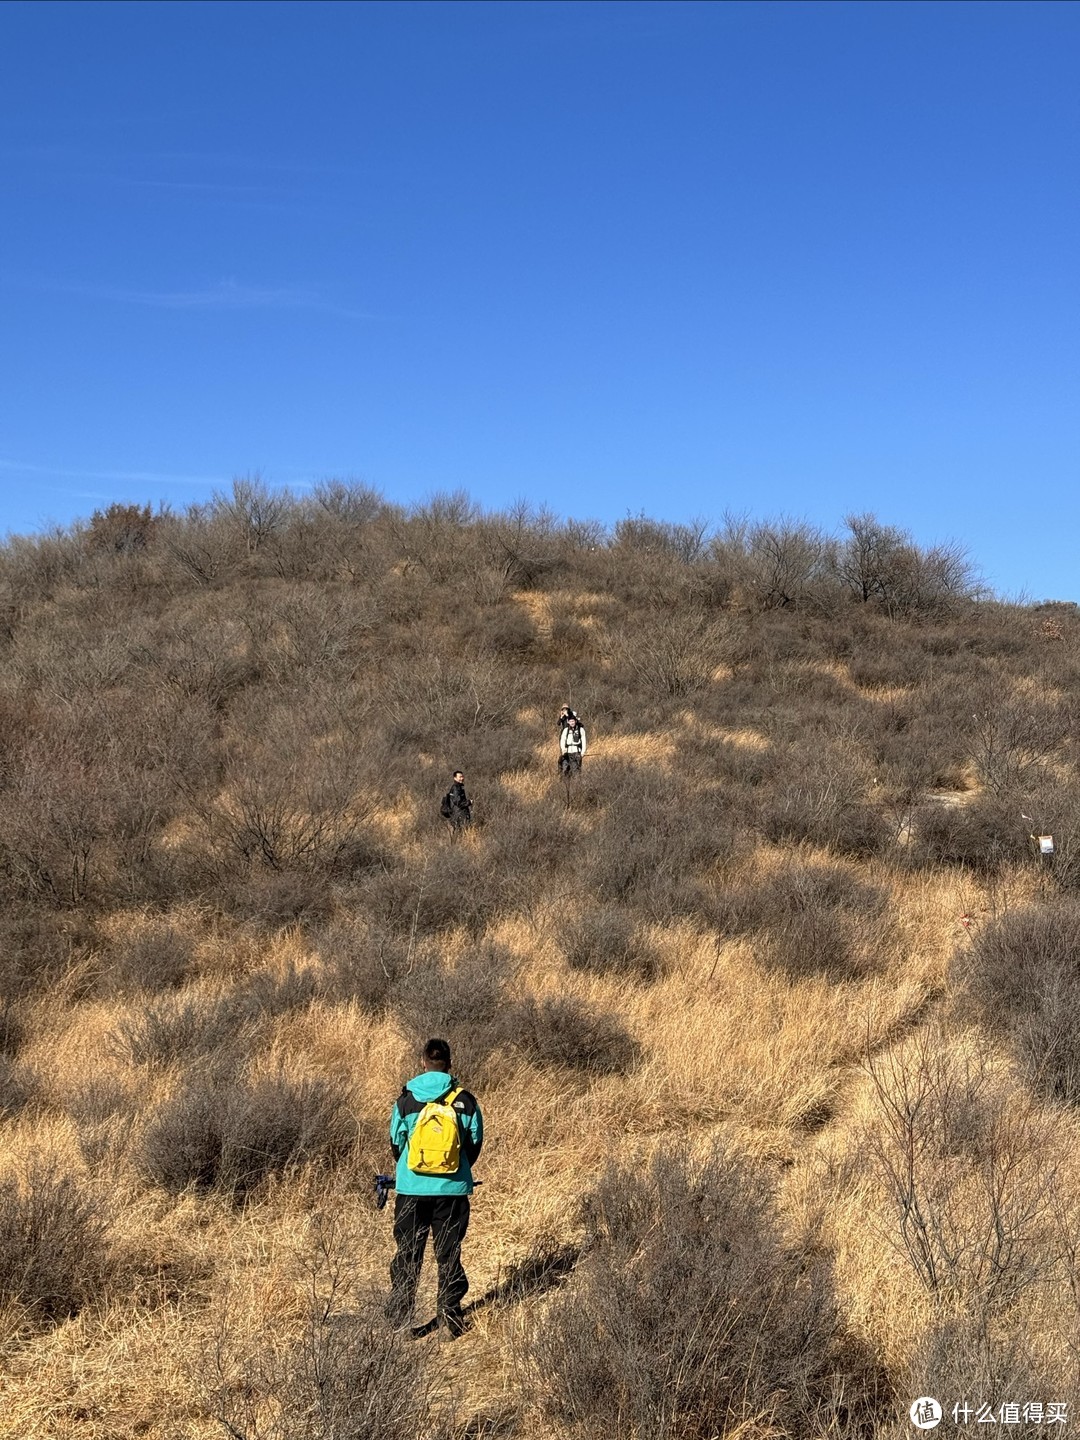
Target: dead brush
<point x="315" y="1359"/>
<point x="54" y="1249"/>
<point x="604" y="940"/>
<point x="1019" y="980"/>
<point x="219" y="1132"/>
<point x="687" y="1316"/>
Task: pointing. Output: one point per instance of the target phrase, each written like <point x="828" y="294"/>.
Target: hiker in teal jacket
<point x="435" y="1203"/>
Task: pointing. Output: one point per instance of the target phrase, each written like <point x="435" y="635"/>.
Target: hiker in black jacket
<point x="456" y="805"/>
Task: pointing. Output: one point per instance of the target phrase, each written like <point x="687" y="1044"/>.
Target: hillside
<point x="772" y="1012"/>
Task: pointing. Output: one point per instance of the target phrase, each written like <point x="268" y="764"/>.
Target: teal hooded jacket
<point x="433" y="1085"/>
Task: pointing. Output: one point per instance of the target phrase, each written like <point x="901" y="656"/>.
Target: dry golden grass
<point x="728" y="1046"/>
<point x="794" y="1064"/>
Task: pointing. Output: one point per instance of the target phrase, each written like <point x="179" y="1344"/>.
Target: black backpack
<point x="446" y="809"/>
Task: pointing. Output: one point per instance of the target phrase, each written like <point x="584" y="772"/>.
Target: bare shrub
<point x="984" y="835"/>
<point x="605" y="940"/>
<point x="881" y="564"/>
<point x="58" y="818"/>
<point x="569" y="638"/>
<point x="961" y="1355"/>
<point x="438" y="535"/>
<point x="1014" y="740"/>
<point x="156" y="958"/>
<point x="562" y="1032"/>
<point x="34" y="566"/>
<point x="349" y="502"/>
<point x="546" y="845"/>
<point x="17" y="1086"/>
<point x="657" y="832"/>
<point x="293" y="796"/>
<point x="813" y="918"/>
<point x="121" y="529"/>
<point x="1054" y="811"/>
<point x="323" y="630"/>
<point x="202" y="655"/>
<point x="687" y="1316"/>
<point x="774" y="564"/>
<point x="330" y="1368"/>
<point x="276" y="899"/>
<point x="54" y="1252"/>
<point x="38" y="948"/>
<point x="825" y="803"/>
<point x="685" y="543"/>
<point x="521" y="543"/>
<point x="817" y="942"/>
<point x="823" y="922"/>
<point x="104" y="1111"/>
<point x="672" y="652"/>
<point x="360" y="962"/>
<point x="794" y="887"/>
<point x="456" y="886"/>
<point x="1021" y="980"/>
<point x="217" y="1132"/>
<point x="504" y="630"/>
<point x="463" y="1003"/>
<point x="276" y="993"/>
<point x="252" y="511"/>
<point x="203" y="546"/>
<point x="89" y="797"/>
<point x="17" y="1081"/>
<point x="968" y="1171"/>
<point x="432" y="693"/>
<point x="12" y="1027"/>
<point x="175" y="1030"/>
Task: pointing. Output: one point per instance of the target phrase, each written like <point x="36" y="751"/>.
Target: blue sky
<point x="682" y="258"/>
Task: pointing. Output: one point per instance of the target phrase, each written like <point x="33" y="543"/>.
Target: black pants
<point x="447" y="1217"/>
<point x="570" y="763"/>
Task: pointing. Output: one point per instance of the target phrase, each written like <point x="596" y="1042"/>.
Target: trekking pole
<point x="385" y="1183"/>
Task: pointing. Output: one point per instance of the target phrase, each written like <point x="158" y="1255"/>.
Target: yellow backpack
<point x="435" y="1143"/>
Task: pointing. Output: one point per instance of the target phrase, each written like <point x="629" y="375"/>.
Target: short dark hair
<point x="437" y="1052"/>
<point x="460" y="772"/>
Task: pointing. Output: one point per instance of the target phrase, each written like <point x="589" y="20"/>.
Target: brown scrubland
<point x="774" y="1012"/>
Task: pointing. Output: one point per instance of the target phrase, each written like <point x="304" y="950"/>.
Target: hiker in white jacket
<point x="572" y="744"/>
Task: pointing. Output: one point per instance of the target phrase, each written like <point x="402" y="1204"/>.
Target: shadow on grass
<point x="544" y="1267"/>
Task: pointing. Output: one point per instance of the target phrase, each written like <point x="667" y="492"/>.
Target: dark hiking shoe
<point x="454" y="1322"/>
<point x="398" y="1316"/>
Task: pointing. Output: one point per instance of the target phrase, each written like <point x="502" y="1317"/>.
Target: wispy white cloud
<point x="296" y="480"/>
<point x="133" y="166"/>
<point x="118" y="477"/>
<point x="225" y="295"/>
<point x="225" y="188"/>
